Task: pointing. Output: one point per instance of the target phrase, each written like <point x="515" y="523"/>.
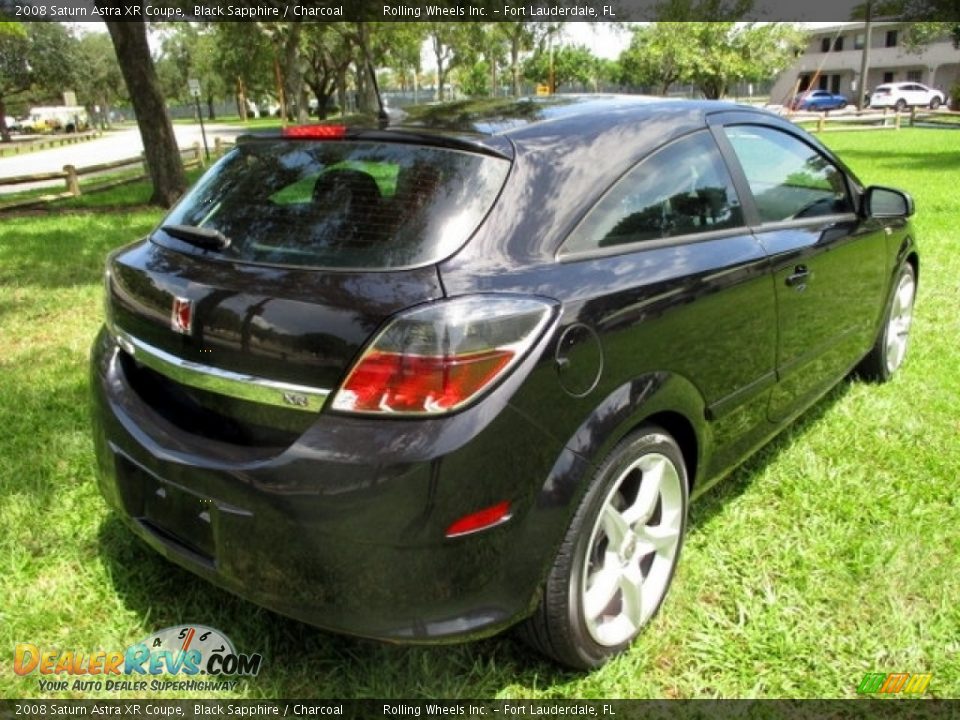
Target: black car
<point x="426" y="382"/>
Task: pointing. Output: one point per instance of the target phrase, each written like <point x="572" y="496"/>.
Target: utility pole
<point x="865" y="58"/>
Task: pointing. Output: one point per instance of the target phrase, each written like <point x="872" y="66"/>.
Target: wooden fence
<point x="193" y="157"/>
<point x="886" y="119"/>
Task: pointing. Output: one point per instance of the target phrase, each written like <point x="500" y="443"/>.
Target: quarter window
<point x="681" y="189"/>
<point x="788" y="178"/>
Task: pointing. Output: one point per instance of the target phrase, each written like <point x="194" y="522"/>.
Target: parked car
<point x="818" y="100"/>
<point x="906" y="94"/>
<point x="427" y="382"/>
<point x="11" y="124"/>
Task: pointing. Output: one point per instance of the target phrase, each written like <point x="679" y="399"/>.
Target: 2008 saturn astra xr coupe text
<point x="424" y="382"/>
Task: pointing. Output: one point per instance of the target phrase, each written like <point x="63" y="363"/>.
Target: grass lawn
<point x="833" y="552"/>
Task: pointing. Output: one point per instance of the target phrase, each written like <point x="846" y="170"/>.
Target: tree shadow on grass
<point x="64" y="250"/>
<point x="714" y="500"/>
<point x="302" y="661"/>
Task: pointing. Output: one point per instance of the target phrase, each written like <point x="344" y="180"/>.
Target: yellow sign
<point x="543" y="89"/>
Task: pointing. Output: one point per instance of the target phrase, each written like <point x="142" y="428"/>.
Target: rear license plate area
<point x="176" y="515"/>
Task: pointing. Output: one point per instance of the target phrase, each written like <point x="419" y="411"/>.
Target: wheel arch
<point x="666" y="399"/>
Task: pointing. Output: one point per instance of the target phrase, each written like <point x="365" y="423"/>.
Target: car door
<point x="828" y="265"/>
<point x="916" y="94"/>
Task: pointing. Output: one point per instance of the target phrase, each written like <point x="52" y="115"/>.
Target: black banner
<point x="444" y="10"/>
<point x="486" y="709"/>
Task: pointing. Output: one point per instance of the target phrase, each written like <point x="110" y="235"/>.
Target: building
<point x="833" y="55"/>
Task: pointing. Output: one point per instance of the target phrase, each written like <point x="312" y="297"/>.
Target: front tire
<point x="935" y="103"/>
<point x="890" y="348"/>
<point x="900" y="105"/>
<point x="619" y="555"/>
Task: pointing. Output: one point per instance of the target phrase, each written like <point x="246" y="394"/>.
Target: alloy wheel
<point x="898" y="326"/>
<point x="632" y="550"/>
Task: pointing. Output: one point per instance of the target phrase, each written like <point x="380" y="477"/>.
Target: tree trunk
<point x="366" y="95"/>
<point x="210" y="113"/>
<point x="441" y="73"/>
<point x="159" y="143"/>
<point x="293" y="76"/>
<point x="515" y="65"/>
<point x="4" y="130"/>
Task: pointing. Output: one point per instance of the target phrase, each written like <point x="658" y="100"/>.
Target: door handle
<point x="801" y="273"/>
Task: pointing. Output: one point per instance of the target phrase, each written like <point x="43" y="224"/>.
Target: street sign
<point x="194" y="87"/>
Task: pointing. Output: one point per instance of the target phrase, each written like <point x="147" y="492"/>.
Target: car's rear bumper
<point x="345" y="529"/>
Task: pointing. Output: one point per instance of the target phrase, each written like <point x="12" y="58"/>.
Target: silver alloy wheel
<point x="632" y="550"/>
<point x="898" y="326"/>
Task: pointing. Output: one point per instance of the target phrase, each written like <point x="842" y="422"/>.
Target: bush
<point x="955" y="96"/>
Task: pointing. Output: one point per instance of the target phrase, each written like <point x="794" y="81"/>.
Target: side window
<point x="788" y="178"/>
<point x="681" y="189"/>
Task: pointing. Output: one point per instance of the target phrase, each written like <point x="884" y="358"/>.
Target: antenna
<point x="382" y="117"/>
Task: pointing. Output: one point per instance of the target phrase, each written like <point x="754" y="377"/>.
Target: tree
<point x="189" y="52"/>
<point x="521" y="37"/>
<point x="443" y="37"/>
<point x="403" y="42"/>
<point x="327" y="52"/>
<point x="710" y="55"/>
<point x="37" y="60"/>
<point x="159" y="142"/>
<point x="751" y="53"/>
<point x="571" y="63"/>
<point x="243" y="61"/>
<point x="659" y="55"/>
<point x="101" y="82"/>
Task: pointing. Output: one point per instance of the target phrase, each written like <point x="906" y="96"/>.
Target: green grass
<point x="832" y="552"/>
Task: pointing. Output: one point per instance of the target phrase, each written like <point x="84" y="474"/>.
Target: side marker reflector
<point x="480" y="520"/>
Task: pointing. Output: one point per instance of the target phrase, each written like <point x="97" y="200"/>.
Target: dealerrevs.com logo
<point x="188" y="651"/>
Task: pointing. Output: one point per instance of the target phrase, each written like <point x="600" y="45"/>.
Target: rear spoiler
<point x="493" y="145"/>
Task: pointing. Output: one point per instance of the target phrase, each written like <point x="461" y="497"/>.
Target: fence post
<point x="913" y="115"/>
<point x="896" y="120"/>
<point x="197" y="154"/>
<point x="73" y="183"/>
<point x="217" y="147"/>
<point x="821" y="122"/>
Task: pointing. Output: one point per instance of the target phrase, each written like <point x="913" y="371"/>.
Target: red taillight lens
<point x="316" y="132"/>
<point x="438" y="358"/>
<point x="412" y="383"/>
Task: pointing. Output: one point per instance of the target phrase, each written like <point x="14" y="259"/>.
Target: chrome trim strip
<point x="223" y="382"/>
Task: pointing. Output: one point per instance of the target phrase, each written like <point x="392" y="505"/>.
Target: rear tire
<point x="618" y="557"/>
<point x="890" y="348"/>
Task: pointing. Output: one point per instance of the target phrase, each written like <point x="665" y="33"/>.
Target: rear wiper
<point x="206" y="238"/>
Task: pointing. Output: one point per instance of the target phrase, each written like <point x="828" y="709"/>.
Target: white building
<point x="832" y="61"/>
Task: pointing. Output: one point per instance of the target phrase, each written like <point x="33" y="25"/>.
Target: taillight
<point x="440" y="357"/>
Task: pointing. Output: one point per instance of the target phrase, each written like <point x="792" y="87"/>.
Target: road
<point x="114" y="145"/>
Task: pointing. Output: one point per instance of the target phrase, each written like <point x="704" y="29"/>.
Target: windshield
<point x="339" y="204"/>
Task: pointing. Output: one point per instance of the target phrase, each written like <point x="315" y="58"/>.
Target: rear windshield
<point x="340" y="204"/>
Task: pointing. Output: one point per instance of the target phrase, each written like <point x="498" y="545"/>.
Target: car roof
<point x="539" y="115"/>
<point x="504" y="126"/>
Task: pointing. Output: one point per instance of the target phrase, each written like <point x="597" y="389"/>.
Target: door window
<point x="681" y="189"/>
<point x="788" y="178"/>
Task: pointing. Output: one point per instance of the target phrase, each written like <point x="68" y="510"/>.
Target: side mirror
<point x="884" y="202"/>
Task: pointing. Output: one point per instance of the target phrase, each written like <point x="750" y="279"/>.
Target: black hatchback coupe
<point x="425" y="382"/>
